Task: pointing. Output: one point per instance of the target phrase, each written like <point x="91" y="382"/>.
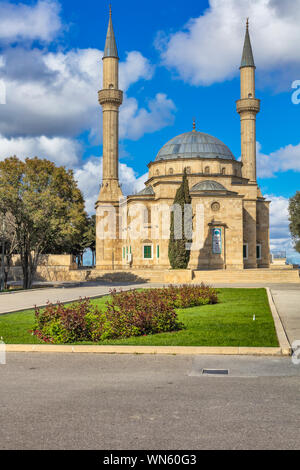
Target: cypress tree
<point x="179" y="249"/>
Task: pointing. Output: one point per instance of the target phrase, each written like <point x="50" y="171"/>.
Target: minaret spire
<point x="110" y="98"/>
<point x="248" y="107"/>
<point x="247" y="57"/>
<point x="110" y="44"/>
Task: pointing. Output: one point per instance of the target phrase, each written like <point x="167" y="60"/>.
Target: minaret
<point x="247" y="107"/>
<point x="110" y="98"/>
<point x="108" y="243"/>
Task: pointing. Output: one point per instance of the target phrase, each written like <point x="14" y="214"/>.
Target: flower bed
<point x="127" y="313"/>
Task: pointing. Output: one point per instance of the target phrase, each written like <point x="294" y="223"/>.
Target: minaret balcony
<point x="110" y="96"/>
<point x="248" y="105"/>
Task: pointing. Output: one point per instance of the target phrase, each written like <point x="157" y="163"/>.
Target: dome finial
<point x="247" y="23"/>
<point x="194" y="125"/>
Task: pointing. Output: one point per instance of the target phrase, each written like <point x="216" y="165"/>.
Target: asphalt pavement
<point x="54" y="401"/>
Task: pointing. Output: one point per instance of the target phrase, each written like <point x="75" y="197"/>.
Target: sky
<point x="178" y="60"/>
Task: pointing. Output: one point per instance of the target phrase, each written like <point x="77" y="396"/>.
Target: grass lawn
<point x="228" y="323"/>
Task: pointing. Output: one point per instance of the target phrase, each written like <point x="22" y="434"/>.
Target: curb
<point x="280" y="331"/>
<point x="171" y="350"/>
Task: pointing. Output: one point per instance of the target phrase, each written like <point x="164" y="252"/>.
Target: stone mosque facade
<point x="233" y="232"/>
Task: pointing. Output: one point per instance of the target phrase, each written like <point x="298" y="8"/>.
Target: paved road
<point x="51" y="401"/>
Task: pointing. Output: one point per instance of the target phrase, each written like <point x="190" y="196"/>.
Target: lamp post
<point x="3" y="253"/>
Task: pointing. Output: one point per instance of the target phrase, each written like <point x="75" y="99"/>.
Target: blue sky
<point x="178" y="60"/>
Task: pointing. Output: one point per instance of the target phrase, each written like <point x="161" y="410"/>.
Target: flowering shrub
<point x="67" y="324"/>
<point x="190" y="295"/>
<point x="128" y="313"/>
<point x="134" y="313"/>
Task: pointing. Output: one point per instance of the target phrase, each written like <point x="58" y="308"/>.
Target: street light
<point x="3" y="254"/>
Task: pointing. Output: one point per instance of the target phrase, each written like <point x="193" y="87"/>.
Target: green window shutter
<point x="147" y="251"/>
<point x="130" y="249"/>
<point x="157" y="251"/>
<point x="123" y="252"/>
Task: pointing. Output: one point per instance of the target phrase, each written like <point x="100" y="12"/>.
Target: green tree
<point x="181" y="227"/>
<point x="294" y="211"/>
<point x="46" y="205"/>
<point x="8" y="239"/>
<point x="86" y="238"/>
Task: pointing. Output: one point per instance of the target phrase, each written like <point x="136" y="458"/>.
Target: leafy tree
<point x="46" y="205"/>
<point x="8" y="238"/>
<point x="294" y="211"/>
<point x="86" y="238"/>
<point x="179" y="253"/>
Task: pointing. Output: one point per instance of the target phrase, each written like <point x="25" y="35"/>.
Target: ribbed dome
<point x="208" y="185"/>
<point x="194" y="145"/>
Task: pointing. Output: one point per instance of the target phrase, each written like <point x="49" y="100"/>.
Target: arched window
<point x="157" y="172"/>
<point x="223" y="171"/>
<point x="188" y="170"/>
<point x="171" y="171"/>
<point x="206" y="170"/>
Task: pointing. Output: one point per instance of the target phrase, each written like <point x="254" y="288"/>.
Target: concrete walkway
<point x="17" y="301"/>
<point x="287" y="302"/>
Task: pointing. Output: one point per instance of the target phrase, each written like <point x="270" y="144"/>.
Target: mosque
<point x="232" y="226"/>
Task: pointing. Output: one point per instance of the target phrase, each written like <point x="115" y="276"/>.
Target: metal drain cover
<point x="215" y="371"/>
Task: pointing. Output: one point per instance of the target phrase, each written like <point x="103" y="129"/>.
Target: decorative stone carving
<point x="110" y="96"/>
<point x="215" y="206"/>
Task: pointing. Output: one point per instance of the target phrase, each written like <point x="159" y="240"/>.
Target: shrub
<point x="127" y="313"/>
<point x="134" y="313"/>
<point x="66" y="324"/>
<point x="191" y="295"/>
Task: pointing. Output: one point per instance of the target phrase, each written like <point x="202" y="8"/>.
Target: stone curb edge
<point x="280" y="331"/>
<point x="171" y="350"/>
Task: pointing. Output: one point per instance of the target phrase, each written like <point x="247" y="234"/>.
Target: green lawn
<point x="228" y="323"/>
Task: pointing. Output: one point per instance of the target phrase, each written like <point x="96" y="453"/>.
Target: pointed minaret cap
<point x="110" y="44"/>
<point x="247" y="57"/>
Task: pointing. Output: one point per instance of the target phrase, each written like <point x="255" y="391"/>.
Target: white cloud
<point x="40" y="21"/>
<point x="135" y="121"/>
<point x="60" y="150"/>
<point x="284" y="159"/>
<point x="57" y="92"/>
<point x="89" y="179"/>
<point x="208" y="49"/>
<point x="135" y="68"/>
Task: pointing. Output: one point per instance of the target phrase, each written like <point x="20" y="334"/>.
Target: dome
<point x="194" y="145"/>
<point x="208" y="185"/>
